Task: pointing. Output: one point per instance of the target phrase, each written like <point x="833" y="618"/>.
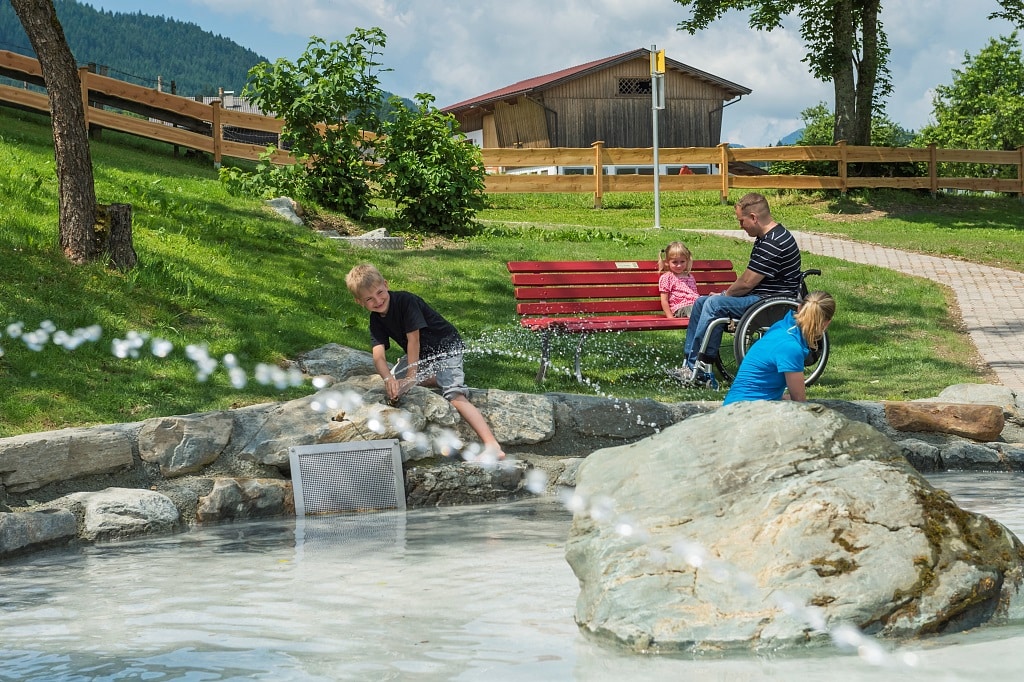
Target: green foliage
<point x="434" y="176"/>
<point x="819" y="124"/>
<point x="846" y="45"/>
<point x="266" y="181"/>
<point x="137" y="47"/>
<point x="983" y="107"/>
<point x="327" y="98"/>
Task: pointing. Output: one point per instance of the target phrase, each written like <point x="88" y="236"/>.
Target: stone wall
<point x="168" y="473"/>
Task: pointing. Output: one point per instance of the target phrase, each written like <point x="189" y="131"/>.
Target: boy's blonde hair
<point x="813" y="316"/>
<point x="363" y="277"/>
<point x="677" y="249"/>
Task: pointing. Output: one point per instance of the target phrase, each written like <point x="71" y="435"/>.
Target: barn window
<point x="634" y="86"/>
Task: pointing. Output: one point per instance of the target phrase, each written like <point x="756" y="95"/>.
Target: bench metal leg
<point x="576" y="359"/>
<point x="545" y="355"/>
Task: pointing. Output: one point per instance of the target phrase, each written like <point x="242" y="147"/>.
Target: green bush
<point x="433" y="175"/>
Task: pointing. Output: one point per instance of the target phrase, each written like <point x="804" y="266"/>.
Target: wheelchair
<point x="752" y="325"/>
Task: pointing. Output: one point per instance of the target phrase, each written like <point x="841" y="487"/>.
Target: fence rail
<point x="208" y="128"/>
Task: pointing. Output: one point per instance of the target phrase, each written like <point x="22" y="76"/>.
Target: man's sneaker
<point x="707" y="380"/>
<point x="681" y="374"/>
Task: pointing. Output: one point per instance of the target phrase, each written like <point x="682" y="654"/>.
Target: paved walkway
<point x="991" y="299"/>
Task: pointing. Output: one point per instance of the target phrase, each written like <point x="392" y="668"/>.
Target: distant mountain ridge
<point x="792" y="138"/>
<point x="140" y="48"/>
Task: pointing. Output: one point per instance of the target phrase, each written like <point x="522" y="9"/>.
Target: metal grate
<point x="634" y="86"/>
<point x="340" y="477"/>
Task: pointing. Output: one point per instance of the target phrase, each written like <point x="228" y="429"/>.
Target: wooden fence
<point x="168" y="118"/>
<point x="842" y="154"/>
<point x="210" y="128"/>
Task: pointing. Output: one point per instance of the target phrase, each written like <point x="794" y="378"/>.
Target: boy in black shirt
<point x="433" y="347"/>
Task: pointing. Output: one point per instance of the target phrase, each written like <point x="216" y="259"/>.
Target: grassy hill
<point x="228" y="275"/>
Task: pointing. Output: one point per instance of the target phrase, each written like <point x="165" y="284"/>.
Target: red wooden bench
<point x="584" y="297"/>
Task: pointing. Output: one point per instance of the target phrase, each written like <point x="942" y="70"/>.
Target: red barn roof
<point x="551" y="79"/>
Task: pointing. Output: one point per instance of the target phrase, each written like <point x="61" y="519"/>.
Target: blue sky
<point x="456" y="49"/>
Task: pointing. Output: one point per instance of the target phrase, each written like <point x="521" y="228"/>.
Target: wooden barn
<point x="608" y="100"/>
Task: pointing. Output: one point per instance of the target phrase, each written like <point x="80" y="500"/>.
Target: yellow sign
<point x="660" y="67"/>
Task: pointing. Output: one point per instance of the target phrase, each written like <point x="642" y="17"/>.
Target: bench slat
<point x="605" y="265"/>
<point x="626" y="277"/>
<point x="604" y="293"/>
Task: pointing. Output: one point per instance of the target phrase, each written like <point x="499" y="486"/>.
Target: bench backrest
<point x="593" y="287"/>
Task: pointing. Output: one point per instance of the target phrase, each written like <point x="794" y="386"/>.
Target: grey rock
<point x="286" y="208"/>
<point x="516" y="418"/>
<point x="117" y="513"/>
<point x="284" y="425"/>
<point x="751" y="526"/>
<point x="337" y="361"/>
<point x="184" y="445"/>
<point x="970" y="457"/>
<point x="986" y="394"/>
<point x="464" y="483"/>
<point x="28" y="531"/>
<point x="233" y="499"/>
<point x="34" y="460"/>
<point x="924" y="457"/>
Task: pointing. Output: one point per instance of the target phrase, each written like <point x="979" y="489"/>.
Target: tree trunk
<point x="115" y="221"/>
<point x="76" y="190"/>
<point x="844" y="35"/>
<point x="867" y="72"/>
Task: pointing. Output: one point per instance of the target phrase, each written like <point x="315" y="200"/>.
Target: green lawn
<point x="226" y="273"/>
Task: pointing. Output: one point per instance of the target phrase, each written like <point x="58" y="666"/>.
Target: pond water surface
<point x="469" y="593"/>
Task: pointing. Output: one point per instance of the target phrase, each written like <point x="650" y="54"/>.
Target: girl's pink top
<point x="681" y="290"/>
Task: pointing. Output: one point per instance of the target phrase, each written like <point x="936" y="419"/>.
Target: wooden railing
<point x="207" y="128"/>
<point x="168" y="118"/>
<point x="842" y="154"/>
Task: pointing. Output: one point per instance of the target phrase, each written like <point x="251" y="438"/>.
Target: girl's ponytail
<point x="813" y="316"/>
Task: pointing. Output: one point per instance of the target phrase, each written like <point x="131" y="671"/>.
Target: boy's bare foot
<point x="493" y="450"/>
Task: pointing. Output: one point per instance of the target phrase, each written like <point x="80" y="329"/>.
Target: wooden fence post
<point x="83" y="80"/>
<point x="842" y="166"/>
<point x="1020" y="173"/>
<point x="215" y="122"/>
<point x="933" y="170"/>
<point x="723" y="170"/>
<point x="598" y="173"/>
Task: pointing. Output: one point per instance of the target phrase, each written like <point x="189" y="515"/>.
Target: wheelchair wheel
<point x="762" y="315"/>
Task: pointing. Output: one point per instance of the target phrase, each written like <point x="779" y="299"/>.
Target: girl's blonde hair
<point x="813" y="316"/>
<point x="674" y="250"/>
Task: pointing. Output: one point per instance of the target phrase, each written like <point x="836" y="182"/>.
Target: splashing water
<point x="602" y="510"/>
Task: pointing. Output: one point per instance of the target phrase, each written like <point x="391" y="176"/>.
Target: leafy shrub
<point x="434" y="175"/>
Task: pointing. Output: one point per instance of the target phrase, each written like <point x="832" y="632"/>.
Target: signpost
<point x="657" y="104"/>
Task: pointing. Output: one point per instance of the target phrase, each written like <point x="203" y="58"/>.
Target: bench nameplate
<point x="626" y="265"/>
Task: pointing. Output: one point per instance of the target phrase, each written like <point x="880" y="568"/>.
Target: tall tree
<point x="76" y="203"/>
<point x="983" y="107"/>
<point x="845" y="45"/>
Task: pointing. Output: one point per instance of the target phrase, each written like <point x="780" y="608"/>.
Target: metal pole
<point x="656" y="104"/>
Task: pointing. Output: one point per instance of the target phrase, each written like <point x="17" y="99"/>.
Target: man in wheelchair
<point x="773" y="270"/>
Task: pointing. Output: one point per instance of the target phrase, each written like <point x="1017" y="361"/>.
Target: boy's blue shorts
<point x="446" y="369"/>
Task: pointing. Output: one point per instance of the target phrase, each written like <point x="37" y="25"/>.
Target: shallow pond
<point x="470" y="593"/>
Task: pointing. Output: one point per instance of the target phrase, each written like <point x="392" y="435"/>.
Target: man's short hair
<point x="363" y="277"/>
<point x="753" y="203"/>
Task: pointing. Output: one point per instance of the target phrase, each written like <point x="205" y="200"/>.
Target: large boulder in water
<point x="770" y="524"/>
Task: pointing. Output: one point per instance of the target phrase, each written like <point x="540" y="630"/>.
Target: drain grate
<point x="347" y="477"/>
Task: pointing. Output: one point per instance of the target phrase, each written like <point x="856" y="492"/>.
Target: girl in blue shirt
<point x="776" y="362"/>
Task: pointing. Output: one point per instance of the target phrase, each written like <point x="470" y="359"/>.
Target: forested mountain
<point x="139" y="48"/>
